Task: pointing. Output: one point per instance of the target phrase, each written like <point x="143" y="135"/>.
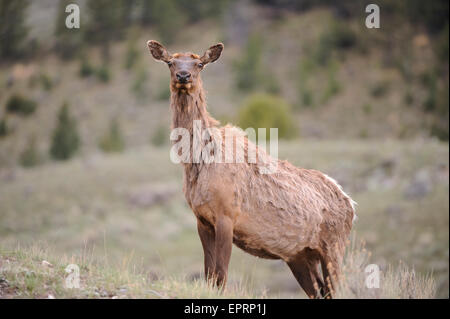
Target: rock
<point x="194" y="276"/>
<point x="419" y="187"/>
<point x="155" y="293"/>
<point x="153" y="276"/>
<point x="417" y="190"/>
<point x="47" y="264"/>
<point x="426" y="239"/>
<point x="123" y="290"/>
<point x="8" y="175"/>
<point x="148" y="196"/>
<point x="394" y="210"/>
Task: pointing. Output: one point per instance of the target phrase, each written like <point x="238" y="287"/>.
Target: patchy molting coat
<point x="275" y="215"/>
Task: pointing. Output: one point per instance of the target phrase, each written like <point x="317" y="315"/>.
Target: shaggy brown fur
<point x="298" y="215"/>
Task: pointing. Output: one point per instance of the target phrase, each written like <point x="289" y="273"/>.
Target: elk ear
<point x="212" y="54"/>
<point x="158" y="51"/>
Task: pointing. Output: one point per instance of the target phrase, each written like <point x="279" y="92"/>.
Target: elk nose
<point x="183" y="76"/>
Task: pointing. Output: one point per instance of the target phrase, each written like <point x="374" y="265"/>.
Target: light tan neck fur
<point x="186" y="108"/>
<point x="190" y="106"/>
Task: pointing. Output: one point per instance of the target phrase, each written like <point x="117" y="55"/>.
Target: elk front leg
<point x="223" y="245"/>
<point x="207" y="237"/>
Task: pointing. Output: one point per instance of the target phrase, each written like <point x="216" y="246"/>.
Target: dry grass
<point x="34" y="272"/>
<point x="395" y="282"/>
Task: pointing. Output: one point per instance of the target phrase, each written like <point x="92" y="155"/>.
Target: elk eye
<point x="200" y="65"/>
<point x="169" y="63"/>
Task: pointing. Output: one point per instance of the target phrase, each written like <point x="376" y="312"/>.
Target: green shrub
<point x="431" y="83"/>
<point x="86" y="69"/>
<point x="307" y="97"/>
<point x="131" y="57"/>
<point x="168" y="19"/>
<point x="46" y="81"/>
<point x="408" y="98"/>
<point x="249" y="72"/>
<point x="248" y="67"/>
<point x="363" y="133"/>
<point x="13" y="29"/>
<point x="103" y="73"/>
<point x="436" y="103"/>
<point x="380" y="89"/>
<point x="333" y="86"/>
<point x="161" y="136"/>
<point x="306" y="67"/>
<point x="65" y="139"/>
<point x="104" y="23"/>
<point x="323" y="51"/>
<point x="441" y="47"/>
<point x="4" y="129"/>
<point x="133" y="54"/>
<point x="30" y="156"/>
<point x="439" y="130"/>
<point x="367" y="108"/>
<point x="271" y="85"/>
<point x="267" y="111"/>
<point x="20" y="105"/>
<point x="338" y="36"/>
<point x="341" y="35"/>
<point x="319" y="64"/>
<point x="112" y="141"/>
<point x="138" y="86"/>
<point x="430" y="14"/>
<point x="440" y="127"/>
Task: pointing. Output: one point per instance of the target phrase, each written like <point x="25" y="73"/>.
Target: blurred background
<point x="84" y="122"/>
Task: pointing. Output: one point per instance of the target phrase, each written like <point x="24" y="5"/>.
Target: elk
<point x="300" y="216"/>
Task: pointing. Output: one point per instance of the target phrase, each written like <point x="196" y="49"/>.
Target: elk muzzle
<point x="183" y="77"/>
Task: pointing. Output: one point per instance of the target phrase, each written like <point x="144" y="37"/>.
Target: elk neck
<point x="188" y="107"/>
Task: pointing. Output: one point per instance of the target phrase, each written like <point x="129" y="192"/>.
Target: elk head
<point x="184" y="68"/>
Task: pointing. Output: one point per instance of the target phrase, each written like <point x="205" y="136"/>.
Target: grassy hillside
<point x="359" y="85"/>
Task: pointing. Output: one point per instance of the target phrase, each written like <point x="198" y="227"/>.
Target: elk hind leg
<point x="304" y="268"/>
